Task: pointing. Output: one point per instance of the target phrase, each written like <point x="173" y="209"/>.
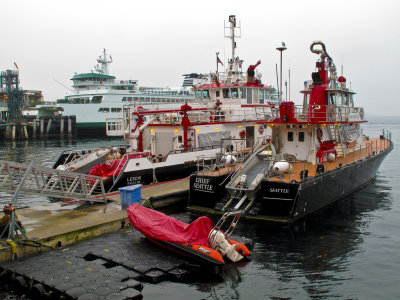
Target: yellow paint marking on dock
<point x="89" y="269"/>
<point x="68" y="262"/>
<point x="106" y="250"/>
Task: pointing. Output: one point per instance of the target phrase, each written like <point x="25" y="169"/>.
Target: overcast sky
<point x="156" y="42"/>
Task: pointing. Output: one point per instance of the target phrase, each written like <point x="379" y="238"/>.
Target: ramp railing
<point x="50" y="182"/>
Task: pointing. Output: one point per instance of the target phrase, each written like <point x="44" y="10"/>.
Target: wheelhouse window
<point x="116" y="109"/>
<point x="225" y="93"/>
<point x="243" y="93"/>
<point x="332" y="99"/>
<point x="301" y="136"/>
<point x="339" y="99"/>
<point x="235" y="93"/>
<point x="261" y="96"/>
<point x="104" y="109"/>
<point x="290" y="136"/>
<point x="198" y="94"/>
<point x="206" y="94"/>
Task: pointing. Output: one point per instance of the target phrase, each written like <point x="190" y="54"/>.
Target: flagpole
<point x="217" y="62"/>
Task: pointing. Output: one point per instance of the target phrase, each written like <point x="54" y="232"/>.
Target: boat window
<point x="217" y="93"/>
<point x="243" y="93"/>
<point x="345" y="99"/>
<point x="261" y="96"/>
<point x="351" y="101"/>
<point x="116" y="109"/>
<point x="198" y="94"/>
<point x="332" y="99"/>
<point x="235" y="93"/>
<point x="179" y="139"/>
<point x="307" y="99"/>
<point x="225" y="93"/>
<point x="249" y="96"/>
<point x="206" y="94"/>
<point x="104" y="109"/>
<point x="301" y="136"/>
<point x="339" y="99"/>
<point x="290" y="136"/>
<point x="123" y="98"/>
<point x="97" y="99"/>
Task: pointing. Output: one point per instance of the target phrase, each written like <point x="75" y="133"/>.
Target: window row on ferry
<point x="112" y="109"/>
<point x="155" y="91"/>
<point x="146" y="100"/>
<point x="81" y="100"/>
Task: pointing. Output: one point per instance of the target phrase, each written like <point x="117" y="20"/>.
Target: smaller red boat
<point x="201" y="240"/>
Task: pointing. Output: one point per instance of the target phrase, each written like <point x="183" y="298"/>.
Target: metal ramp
<point x="245" y="183"/>
<point x="45" y="181"/>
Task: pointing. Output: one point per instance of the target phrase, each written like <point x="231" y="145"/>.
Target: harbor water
<point x="350" y="250"/>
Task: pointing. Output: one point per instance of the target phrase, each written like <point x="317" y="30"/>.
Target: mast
<point x="232" y="35"/>
<point x="281" y="49"/>
<point x="103" y="68"/>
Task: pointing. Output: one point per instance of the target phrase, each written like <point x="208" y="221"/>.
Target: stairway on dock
<point x="50" y="182"/>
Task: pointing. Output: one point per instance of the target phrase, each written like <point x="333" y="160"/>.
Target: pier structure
<point x="20" y="120"/>
<point x="15" y="125"/>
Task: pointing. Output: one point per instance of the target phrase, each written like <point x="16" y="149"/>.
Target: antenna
<point x="63" y="85"/>
<point x="232" y="35"/>
<point x="342" y="67"/>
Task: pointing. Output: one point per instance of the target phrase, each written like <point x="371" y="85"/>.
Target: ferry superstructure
<point x="97" y="96"/>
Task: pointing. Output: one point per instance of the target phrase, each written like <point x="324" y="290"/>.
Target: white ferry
<point x="97" y="96"/>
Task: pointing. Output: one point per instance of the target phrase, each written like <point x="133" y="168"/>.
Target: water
<point x="347" y="251"/>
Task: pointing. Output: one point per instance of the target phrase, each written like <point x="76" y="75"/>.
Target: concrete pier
<point x="60" y="224"/>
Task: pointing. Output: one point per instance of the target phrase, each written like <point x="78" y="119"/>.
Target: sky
<point x="156" y="42"/>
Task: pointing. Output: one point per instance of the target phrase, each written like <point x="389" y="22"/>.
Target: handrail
<point x="120" y="161"/>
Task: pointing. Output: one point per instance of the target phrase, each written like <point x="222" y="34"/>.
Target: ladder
<point x="50" y="182"/>
<point x="335" y="135"/>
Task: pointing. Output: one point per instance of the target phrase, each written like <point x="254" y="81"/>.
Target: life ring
<point x="261" y="129"/>
<point x="242" y="134"/>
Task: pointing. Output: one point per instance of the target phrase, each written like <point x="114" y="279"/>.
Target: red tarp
<point x="108" y="169"/>
<point x="162" y="227"/>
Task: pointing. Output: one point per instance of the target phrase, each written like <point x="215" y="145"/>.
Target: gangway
<point x="50" y="182"/>
<point x="246" y="181"/>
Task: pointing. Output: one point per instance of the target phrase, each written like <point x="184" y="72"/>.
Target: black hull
<point x="287" y="202"/>
<point x="207" y="190"/>
<point x="145" y="177"/>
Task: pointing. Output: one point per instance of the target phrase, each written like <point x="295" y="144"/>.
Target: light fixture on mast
<point x="281" y="49"/>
